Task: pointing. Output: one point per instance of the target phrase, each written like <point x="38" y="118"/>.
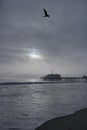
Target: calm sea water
<point x="24" y="107"/>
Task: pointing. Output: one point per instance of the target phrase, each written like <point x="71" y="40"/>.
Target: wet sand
<point x="75" y="121"/>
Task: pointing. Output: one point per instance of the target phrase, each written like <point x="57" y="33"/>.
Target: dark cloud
<point x="61" y="39"/>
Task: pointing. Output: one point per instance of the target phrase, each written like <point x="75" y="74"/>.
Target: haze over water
<point x="24" y="107"/>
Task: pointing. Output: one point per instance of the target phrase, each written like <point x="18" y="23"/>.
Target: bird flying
<point x="45" y="13"/>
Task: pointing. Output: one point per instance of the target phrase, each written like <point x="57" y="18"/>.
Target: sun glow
<point x="34" y="54"/>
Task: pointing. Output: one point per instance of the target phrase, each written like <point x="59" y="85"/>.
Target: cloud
<point x="61" y="39"/>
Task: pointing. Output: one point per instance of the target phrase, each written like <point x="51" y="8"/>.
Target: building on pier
<point x="52" y="77"/>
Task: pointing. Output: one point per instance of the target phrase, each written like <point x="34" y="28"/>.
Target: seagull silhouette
<point x="45" y="13"/>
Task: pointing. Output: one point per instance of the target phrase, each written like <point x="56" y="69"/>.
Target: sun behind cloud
<point x="34" y="54"/>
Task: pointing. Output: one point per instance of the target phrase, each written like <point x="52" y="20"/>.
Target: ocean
<point x="25" y="107"/>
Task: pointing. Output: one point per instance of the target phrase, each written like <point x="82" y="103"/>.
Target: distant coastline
<point x="40" y="82"/>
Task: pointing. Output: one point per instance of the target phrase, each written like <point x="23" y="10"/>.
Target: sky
<point x="31" y="45"/>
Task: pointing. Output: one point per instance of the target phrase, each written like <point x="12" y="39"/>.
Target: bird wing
<point x="45" y="12"/>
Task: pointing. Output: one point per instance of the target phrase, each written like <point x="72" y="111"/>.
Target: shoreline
<point x="74" y="121"/>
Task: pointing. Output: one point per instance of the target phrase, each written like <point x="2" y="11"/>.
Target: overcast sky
<point x="59" y="42"/>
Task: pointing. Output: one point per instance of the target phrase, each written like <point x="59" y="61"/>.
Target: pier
<point x="75" y="79"/>
<point x="58" y="77"/>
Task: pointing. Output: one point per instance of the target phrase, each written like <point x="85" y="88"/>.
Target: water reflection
<point x="27" y="106"/>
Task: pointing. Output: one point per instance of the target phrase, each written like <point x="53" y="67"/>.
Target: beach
<point x="75" y="121"/>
